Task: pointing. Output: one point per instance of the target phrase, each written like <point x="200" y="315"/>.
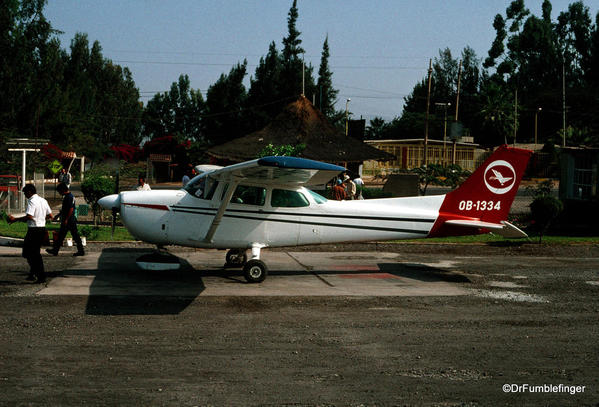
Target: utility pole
<point x="515" y="115"/>
<point x="536" y="119"/>
<point x="428" y="102"/>
<point x="347" y="117"/>
<point x="445" y="106"/>
<point x="303" y="76"/>
<point x="457" y="105"/>
<point x="563" y="104"/>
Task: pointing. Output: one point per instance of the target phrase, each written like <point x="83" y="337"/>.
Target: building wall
<point x="579" y="175"/>
<point x="409" y="156"/>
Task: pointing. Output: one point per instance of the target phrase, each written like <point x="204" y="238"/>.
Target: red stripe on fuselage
<point x="149" y="206"/>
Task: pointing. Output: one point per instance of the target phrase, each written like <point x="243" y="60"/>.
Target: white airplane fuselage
<point x="264" y="203"/>
<point x="166" y="217"/>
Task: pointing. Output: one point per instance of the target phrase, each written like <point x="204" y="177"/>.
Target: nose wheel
<point x="255" y="271"/>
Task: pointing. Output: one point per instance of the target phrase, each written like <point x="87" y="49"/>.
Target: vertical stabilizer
<point x="486" y="196"/>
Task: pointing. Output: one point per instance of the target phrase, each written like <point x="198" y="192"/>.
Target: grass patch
<point x="491" y="239"/>
<point x="100" y="233"/>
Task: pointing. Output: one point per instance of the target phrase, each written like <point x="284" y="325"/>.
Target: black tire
<point x="236" y="258"/>
<point x="255" y="271"/>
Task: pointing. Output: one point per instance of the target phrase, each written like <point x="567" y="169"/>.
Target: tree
<point x="437" y="174"/>
<point x="225" y="100"/>
<point x="528" y="53"/>
<point x="264" y="97"/>
<point x="327" y="95"/>
<point x="292" y="64"/>
<point x="543" y="210"/>
<point x="497" y="113"/>
<point x="282" y="150"/>
<point x="376" y="129"/>
<point x="96" y="185"/>
<point x="24" y="36"/>
<point x="178" y="111"/>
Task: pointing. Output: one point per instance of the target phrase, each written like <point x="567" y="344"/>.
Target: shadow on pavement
<point x="121" y="288"/>
<point x="423" y="273"/>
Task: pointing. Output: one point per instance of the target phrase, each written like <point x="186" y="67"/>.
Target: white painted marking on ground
<point x="505" y="284"/>
<point x="509" y="296"/>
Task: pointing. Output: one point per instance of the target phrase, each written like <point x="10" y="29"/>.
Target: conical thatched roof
<point x="300" y="123"/>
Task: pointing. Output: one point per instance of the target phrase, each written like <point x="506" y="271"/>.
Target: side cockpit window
<point x="247" y="195"/>
<point x="202" y="187"/>
<point x="282" y="198"/>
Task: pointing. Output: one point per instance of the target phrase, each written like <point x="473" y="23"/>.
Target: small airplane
<point x="266" y="203"/>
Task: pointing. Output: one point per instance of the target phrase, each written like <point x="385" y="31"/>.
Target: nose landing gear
<point x="254" y="270"/>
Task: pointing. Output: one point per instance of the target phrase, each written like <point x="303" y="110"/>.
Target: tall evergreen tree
<point x="264" y="97"/>
<point x="292" y="62"/>
<point x="326" y="95"/>
<point x="225" y="101"/>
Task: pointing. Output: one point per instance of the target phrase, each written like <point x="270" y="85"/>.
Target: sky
<point x="379" y="48"/>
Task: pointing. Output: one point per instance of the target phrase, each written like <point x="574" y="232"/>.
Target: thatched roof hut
<point x="300" y="123"/>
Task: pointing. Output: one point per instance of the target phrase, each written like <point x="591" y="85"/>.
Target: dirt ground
<point x="437" y="351"/>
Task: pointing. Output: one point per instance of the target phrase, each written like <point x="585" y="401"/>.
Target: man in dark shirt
<point x="68" y="221"/>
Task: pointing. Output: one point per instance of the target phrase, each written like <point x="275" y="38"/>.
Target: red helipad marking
<point x="368" y="275"/>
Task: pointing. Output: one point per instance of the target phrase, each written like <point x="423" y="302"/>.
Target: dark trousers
<point x="31" y="250"/>
<point x="71" y="226"/>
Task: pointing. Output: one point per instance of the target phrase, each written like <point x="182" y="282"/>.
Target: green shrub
<point x="543" y="210"/>
<point x="95" y="187"/>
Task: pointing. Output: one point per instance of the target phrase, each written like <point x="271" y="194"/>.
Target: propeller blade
<point x="114" y="212"/>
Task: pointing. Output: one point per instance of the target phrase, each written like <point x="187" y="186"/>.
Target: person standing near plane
<point x="350" y="187"/>
<point x="68" y="222"/>
<point x="359" y="187"/>
<point x="65" y="177"/>
<point x="141" y="184"/>
<point x="338" y="192"/>
<point x="36" y="213"/>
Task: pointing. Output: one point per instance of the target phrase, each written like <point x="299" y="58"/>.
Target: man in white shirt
<point x="141" y="184"/>
<point x="359" y="186"/>
<point x="36" y="214"/>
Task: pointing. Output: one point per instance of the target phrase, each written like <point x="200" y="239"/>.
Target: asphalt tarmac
<point x="405" y="324"/>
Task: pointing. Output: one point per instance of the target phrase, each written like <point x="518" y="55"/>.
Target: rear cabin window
<point x="247" y="195"/>
<point x="282" y="198"/>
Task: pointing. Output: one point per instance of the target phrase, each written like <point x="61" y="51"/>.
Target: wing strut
<point x="221" y="211"/>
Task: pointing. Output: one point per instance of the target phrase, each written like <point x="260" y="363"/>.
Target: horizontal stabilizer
<point x="504" y="228"/>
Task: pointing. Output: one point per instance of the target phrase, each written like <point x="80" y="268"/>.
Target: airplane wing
<point x="279" y="170"/>
<point x="504" y="228"/>
<point x="268" y="171"/>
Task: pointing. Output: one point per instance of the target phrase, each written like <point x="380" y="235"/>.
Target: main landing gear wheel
<point x="236" y="258"/>
<point x="255" y="271"/>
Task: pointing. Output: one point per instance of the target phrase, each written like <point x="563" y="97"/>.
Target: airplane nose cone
<point x="110" y="201"/>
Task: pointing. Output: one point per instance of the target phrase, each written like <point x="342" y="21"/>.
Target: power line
<point x="362" y="67"/>
<point x="242" y="55"/>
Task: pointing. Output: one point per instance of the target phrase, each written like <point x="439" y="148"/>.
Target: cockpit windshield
<point x="317" y="197"/>
<point x="202" y="187"/>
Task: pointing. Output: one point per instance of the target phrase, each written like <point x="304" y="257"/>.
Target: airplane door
<point x="189" y="220"/>
<point x="284" y="224"/>
<point x="309" y="232"/>
<point x="282" y="228"/>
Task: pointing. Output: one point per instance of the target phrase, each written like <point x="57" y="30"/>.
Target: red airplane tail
<point x="483" y="201"/>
